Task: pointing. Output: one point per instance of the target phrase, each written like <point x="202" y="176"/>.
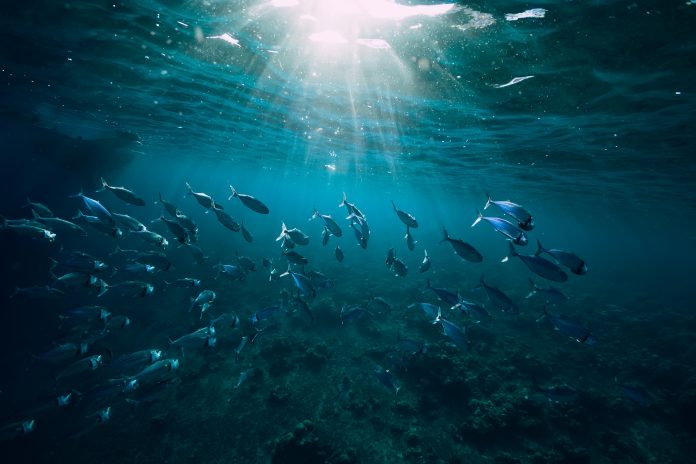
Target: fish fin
<point x="189" y="190"/>
<point x="488" y="201"/>
<point x="77" y="195"/>
<point x="540" y="249"/>
<point x="283" y="231"/>
<point x="479" y="216"/>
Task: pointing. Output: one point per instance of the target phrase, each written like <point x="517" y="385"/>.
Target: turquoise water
<point x="296" y="103"/>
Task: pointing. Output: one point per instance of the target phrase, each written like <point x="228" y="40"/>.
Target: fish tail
<point x="543" y="316"/>
<point x="343" y="203"/>
<point x="489" y="202"/>
<point x="233" y="194"/>
<point x="446" y="235"/>
<point x="283" y="232"/>
<point x="534" y="288"/>
<point x="479" y="216"/>
<point x="540" y="249"/>
<point x="76" y="195"/>
<point x="394" y="206"/>
<point x="104" y="185"/>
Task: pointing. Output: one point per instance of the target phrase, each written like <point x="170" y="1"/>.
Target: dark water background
<point x="599" y="145"/>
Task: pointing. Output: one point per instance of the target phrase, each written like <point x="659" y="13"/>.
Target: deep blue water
<point x="598" y="144"/>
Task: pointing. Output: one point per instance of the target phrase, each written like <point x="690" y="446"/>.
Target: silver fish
<point x="425" y="265"/>
<point x="505" y="227"/>
<point x="540" y="266"/>
<point x="297" y="236"/>
<point x="123" y="194"/>
<point x="329" y="223"/>
<point x="249" y="201"/>
<point x="518" y="212"/>
<point x="410" y="242"/>
<point x="405" y="217"/>
<point x="463" y="249"/>
<point x="570" y="260"/>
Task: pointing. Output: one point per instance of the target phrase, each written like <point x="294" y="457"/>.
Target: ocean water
<point x="582" y="112"/>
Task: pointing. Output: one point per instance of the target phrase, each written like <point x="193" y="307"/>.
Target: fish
<point x="154" y="258"/>
<point x="188" y="224"/>
<point x="203" y="199"/>
<point x="39" y="291"/>
<point x="445" y="295"/>
<point x="399" y="267"/>
<point x="505" y="227"/>
<point x="63" y="352"/>
<point x="176" y="229"/>
<point x="136" y="288"/>
<point x="196" y="252"/>
<point x="156" y="372"/>
<point x="242" y="343"/>
<point x="59" y="226"/>
<point x="430" y="310"/>
<point x="453" y="332"/>
<point x="391" y="256"/>
<point x="425" y="265"/>
<point x="137" y="268"/>
<point x="361" y="222"/>
<point x="325" y="235"/>
<point x="475" y="311"/>
<point x="232" y="271"/>
<point x="498" y="298"/>
<point x="352" y="209"/>
<point x="201" y="338"/>
<point x="298" y="302"/>
<point x="168" y="207"/>
<point x="517" y="212"/>
<point x="80" y="367"/>
<point x="320" y="280"/>
<point x="351" y="313"/>
<point x="246" y="234"/>
<point x="128" y="222"/>
<point x="136" y="359"/>
<point x="339" y="254"/>
<point x="263" y="314"/>
<point x="557" y="393"/>
<point x="87" y="313"/>
<point x="244" y="376"/>
<point x="636" y="394"/>
<point x="385" y="378"/>
<point x="550" y="294"/>
<point x="225" y="320"/>
<point x="570" y="260"/>
<point x="123" y="194"/>
<point x="249" y="201"/>
<point x="96" y="223"/>
<point x="151" y="237"/>
<point x="246" y="263"/>
<point x="571" y="328"/>
<point x="185" y="282"/>
<point x="405" y="217"/>
<point x="410" y="243"/>
<point x="411" y="347"/>
<point x="97" y="209"/>
<point x="362" y="240"/>
<point x="227" y="220"/>
<point x="27" y="230"/>
<point x="303" y="284"/>
<point x="296" y="235"/>
<point x="42" y="210"/>
<point x="83" y="262"/>
<point x="16" y="430"/>
<point x="463" y="249"/>
<point x="380" y="303"/>
<point x="540" y="266"/>
<point x="329" y="223"/>
<point x="295" y="258"/>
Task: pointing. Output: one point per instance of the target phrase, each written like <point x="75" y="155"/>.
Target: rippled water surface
<point x="580" y="111"/>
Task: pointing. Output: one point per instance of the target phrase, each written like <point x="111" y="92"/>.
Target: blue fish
<point x="521" y="215"/>
<point x="571" y="328"/>
<point x="454" y="332"/>
<point x="540" y="266"/>
<point x="263" y="314"/>
<point x="576" y="264"/>
<point x="302" y="283"/>
<point x="505" y="227"/>
<point x="97" y="209"/>
<point x="386" y="379"/>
